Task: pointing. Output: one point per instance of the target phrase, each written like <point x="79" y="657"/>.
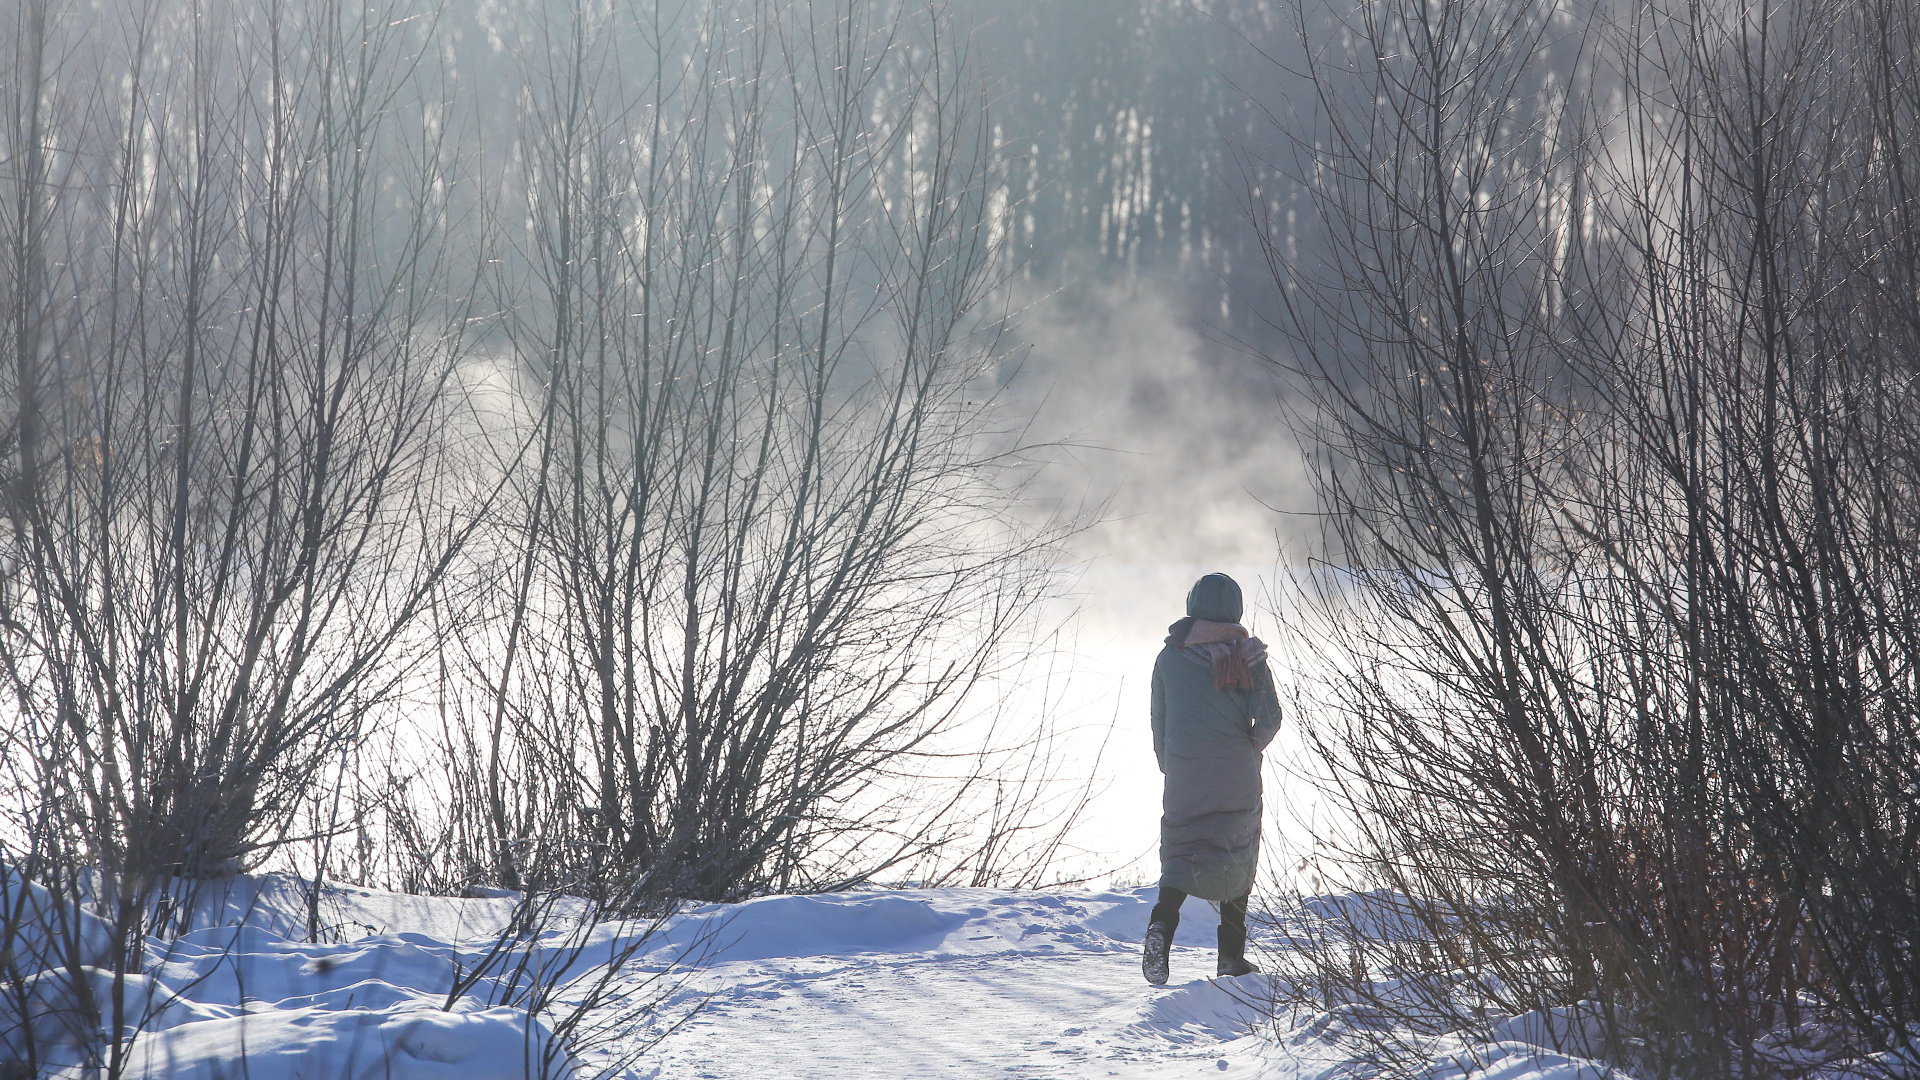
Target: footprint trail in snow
<point x="960" y="982"/>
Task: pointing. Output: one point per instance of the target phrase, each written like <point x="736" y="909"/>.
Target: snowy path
<point x="1020" y="985"/>
<point x="1054" y="1016"/>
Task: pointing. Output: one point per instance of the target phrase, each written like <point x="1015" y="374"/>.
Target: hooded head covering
<point x="1213" y="626"/>
<point x="1215" y="598"/>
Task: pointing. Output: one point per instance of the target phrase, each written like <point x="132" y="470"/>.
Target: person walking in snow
<point x="1214" y="712"/>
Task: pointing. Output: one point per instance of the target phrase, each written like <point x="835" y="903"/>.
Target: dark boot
<point x="1233" y="952"/>
<point x="1153" y="953"/>
<point x="1159" y="940"/>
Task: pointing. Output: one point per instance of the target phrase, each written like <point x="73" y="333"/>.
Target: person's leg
<point x="1233" y="938"/>
<point x="1166" y="909"/>
<point x="1156" y="946"/>
<point x="1233" y="913"/>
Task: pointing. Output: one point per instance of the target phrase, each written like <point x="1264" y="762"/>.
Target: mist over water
<point x="1186" y="444"/>
<point x="1183" y="445"/>
<point x="1134" y="161"/>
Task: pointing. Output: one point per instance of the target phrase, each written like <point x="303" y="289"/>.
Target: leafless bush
<point x="760" y="557"/>
<point x="233" y="242"/>
<point x="575" y="968"/>
<point x="229" y="328"/>
<point x="1612" y="354"/>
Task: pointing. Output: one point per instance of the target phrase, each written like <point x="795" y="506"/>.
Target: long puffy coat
<point x="1209" y="742"/>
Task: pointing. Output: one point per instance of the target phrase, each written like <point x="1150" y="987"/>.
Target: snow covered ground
<point x="934" y="983"/>
<point x="964" y="983"/>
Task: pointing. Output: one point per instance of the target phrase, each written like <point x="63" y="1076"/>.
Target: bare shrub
<point x="1611" y="353"/>
<point x="760" y="557"/>
<point x="230" y="324"/>
<point x="233" y="240"/>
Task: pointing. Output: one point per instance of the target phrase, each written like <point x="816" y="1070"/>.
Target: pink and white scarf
<point x="1232" y="650"/>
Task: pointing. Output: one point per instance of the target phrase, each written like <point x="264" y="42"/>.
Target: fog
<point x="1144" y="323"/>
